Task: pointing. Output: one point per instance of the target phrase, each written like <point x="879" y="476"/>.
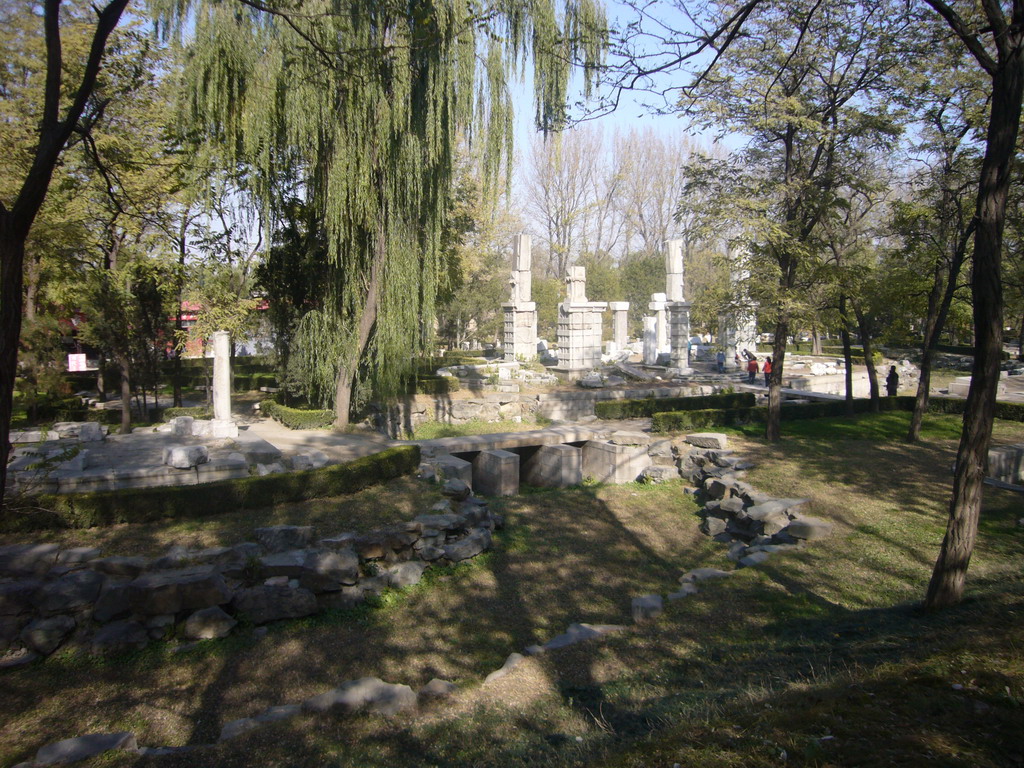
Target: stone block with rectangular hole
<point x="554" y="466"/>
<point x="608" y="463"/>
<point x="496" y="473"/>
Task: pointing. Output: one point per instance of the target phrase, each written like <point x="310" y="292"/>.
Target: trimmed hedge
<point x="296" y="418"/>
<point x="673" y="421"/>
<point x="433" y="385"/>
<point x="144" y="505"/>
<point x="195" y="411"/>
<point x="647" y="406"/>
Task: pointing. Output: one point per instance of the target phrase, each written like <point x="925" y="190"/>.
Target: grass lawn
<point x="819" y="658"/>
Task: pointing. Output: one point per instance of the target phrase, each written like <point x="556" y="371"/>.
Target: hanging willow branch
<point x="367" y="101"/>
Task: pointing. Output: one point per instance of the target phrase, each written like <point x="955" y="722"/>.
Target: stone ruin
<point x="52" y="598"/>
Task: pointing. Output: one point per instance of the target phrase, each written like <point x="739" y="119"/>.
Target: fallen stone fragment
<point x="17" y="659"/>
<point x="369" y="692"/>
<point x="708" y="440"/>
<point x="185" y="456"/>
<point x="262" y="604"/>
<point x="44" y="636"/>
<point x="119" y="636"/>
<point x="78" y="555"/>
<point x="455" y="489"/>
<point x="685" y="590"/>
<point x="471" y="546"/>
<point x="405" y="574"/>
<point x="279" y="712"/>
<point x="752" y="559"/>
<point x="647" y="608"/>
<point x="513" y="661"/>
<point x="279" y="538"/>
<point x="703" y="574"/>
<point x="576" y="633"/>
<point x="436" y="689"/>
<point x="809" y="528"/>
<point x="329" y="571"/>
<point x="164" y="592"/>
<point x="208" y="624"/>
<point x="72" y="591"/>
<point x="84" y="747"/>
<point x="27" y="559"/>
<point x="236" y="728"/>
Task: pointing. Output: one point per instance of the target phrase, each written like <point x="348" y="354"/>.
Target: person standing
<point x="752" y="369"/>
<point x="892" y="382"/>
<point x="720" y="360"/>
<point x="767" y="369"/>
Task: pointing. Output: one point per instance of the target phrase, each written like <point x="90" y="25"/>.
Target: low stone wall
<point x="571" y="405"/>
<point x="52" y="598"/>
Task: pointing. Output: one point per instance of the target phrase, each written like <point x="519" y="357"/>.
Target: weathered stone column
<point x="579" y="326"/>
<point x="520" y="312"/>
<point x="620" y="323"/>
<point x="222" y="425"/>
<point x="677" y="307"/>
<point x="650" y="340"/>
<point x="737" y="329"/>
<point x="658" y="305"/>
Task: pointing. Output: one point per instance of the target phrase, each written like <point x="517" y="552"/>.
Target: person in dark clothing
<point x="892" y="382"/>
<point x="767" y="370"/>
<point x="752" y="369"/>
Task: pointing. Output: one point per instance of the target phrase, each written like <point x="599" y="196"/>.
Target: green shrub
<point x="195" y="411"/>
<point x="433" y="385"/>
<point x="142" y="505"/>
<point x="643" y="407"/>
<point x="296" y="418"/>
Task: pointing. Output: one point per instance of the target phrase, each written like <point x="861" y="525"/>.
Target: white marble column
<point x="222" y="425"/>
<point x="620" y="323"/>
<point x="650" y="340"/>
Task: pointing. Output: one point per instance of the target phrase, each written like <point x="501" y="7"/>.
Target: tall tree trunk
<point x="864" y="326"/>
<point x="101" y="384"/>
<point x="773" y="429"/>
<point x="844" y="333"/>
<point x="12" y="257"/>
<point x="126" y="396"/>
<point x="950" y="573"/>
<point x="349" y="366"/>
<point x="815" y="340"/>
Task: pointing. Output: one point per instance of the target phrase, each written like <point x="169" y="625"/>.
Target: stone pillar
<point x="223" y="425"/>
<point x="496" y="473"/>
<point x="620" y="323"/>
<point x="737" y="329"/>
<point x="658" y="305"/>
<point x="520" y="312"/>
<point x="677" y="308"/>
<point x="679" y="335"/>
<point x="650" y="340"/>
<point x="579" y="326"/>
<point x="674" y="284"/>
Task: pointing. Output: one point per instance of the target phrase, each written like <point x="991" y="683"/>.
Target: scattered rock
<point x="84" y="747"/>
<point x="76" y="555"/>
<point x="329" y="571"/>
<point x="647" y="608"/>
<point x="685" y="590"/>
<point x="76" y="590"/>
<point x="513" y="661"/>
<point x="455" y="489"/>
<point x="809" y="528"/>
<point x="405" y="574"/>
<point x="752" y="559"/>
<point x="262" y="604"/>
<point x="703" y="574"/>
<point x="279" y="712"/>
<point x="472" y="545"/>
<point x="436" y="689"/>
<point x="185" y="456"/>
<point x="27" y="559"/>
<point x="658" y="474"/>
<point x="279" y="538"/>
<point x="119" y="636"/>
<point x="367" y="692"/>
<point x="708" y="440"/>
<point x="180" y="590"/>
<point x="208" y="624"/>
<point x="130" y="567"/>
<point x="576" y="633"/>
<point x="236" y="728"/>
<point x="44" y="636"/>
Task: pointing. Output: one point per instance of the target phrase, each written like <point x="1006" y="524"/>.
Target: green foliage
<point x="643" y="273"/>
<point x="644" y="407"/>
<point x="86" y="510"/>
<point x="362" y="104"/>
<point x="722" y="417"/>
<point x="297" y="418"/>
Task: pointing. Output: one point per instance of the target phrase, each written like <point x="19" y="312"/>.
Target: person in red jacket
<point x="767" y="369"/>
<point x="752" y="369"/>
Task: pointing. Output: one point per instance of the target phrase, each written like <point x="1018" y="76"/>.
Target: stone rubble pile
<point x="75" y="598"/>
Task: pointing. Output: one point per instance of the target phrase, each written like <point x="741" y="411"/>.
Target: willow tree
<point x="366" y="102"/>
